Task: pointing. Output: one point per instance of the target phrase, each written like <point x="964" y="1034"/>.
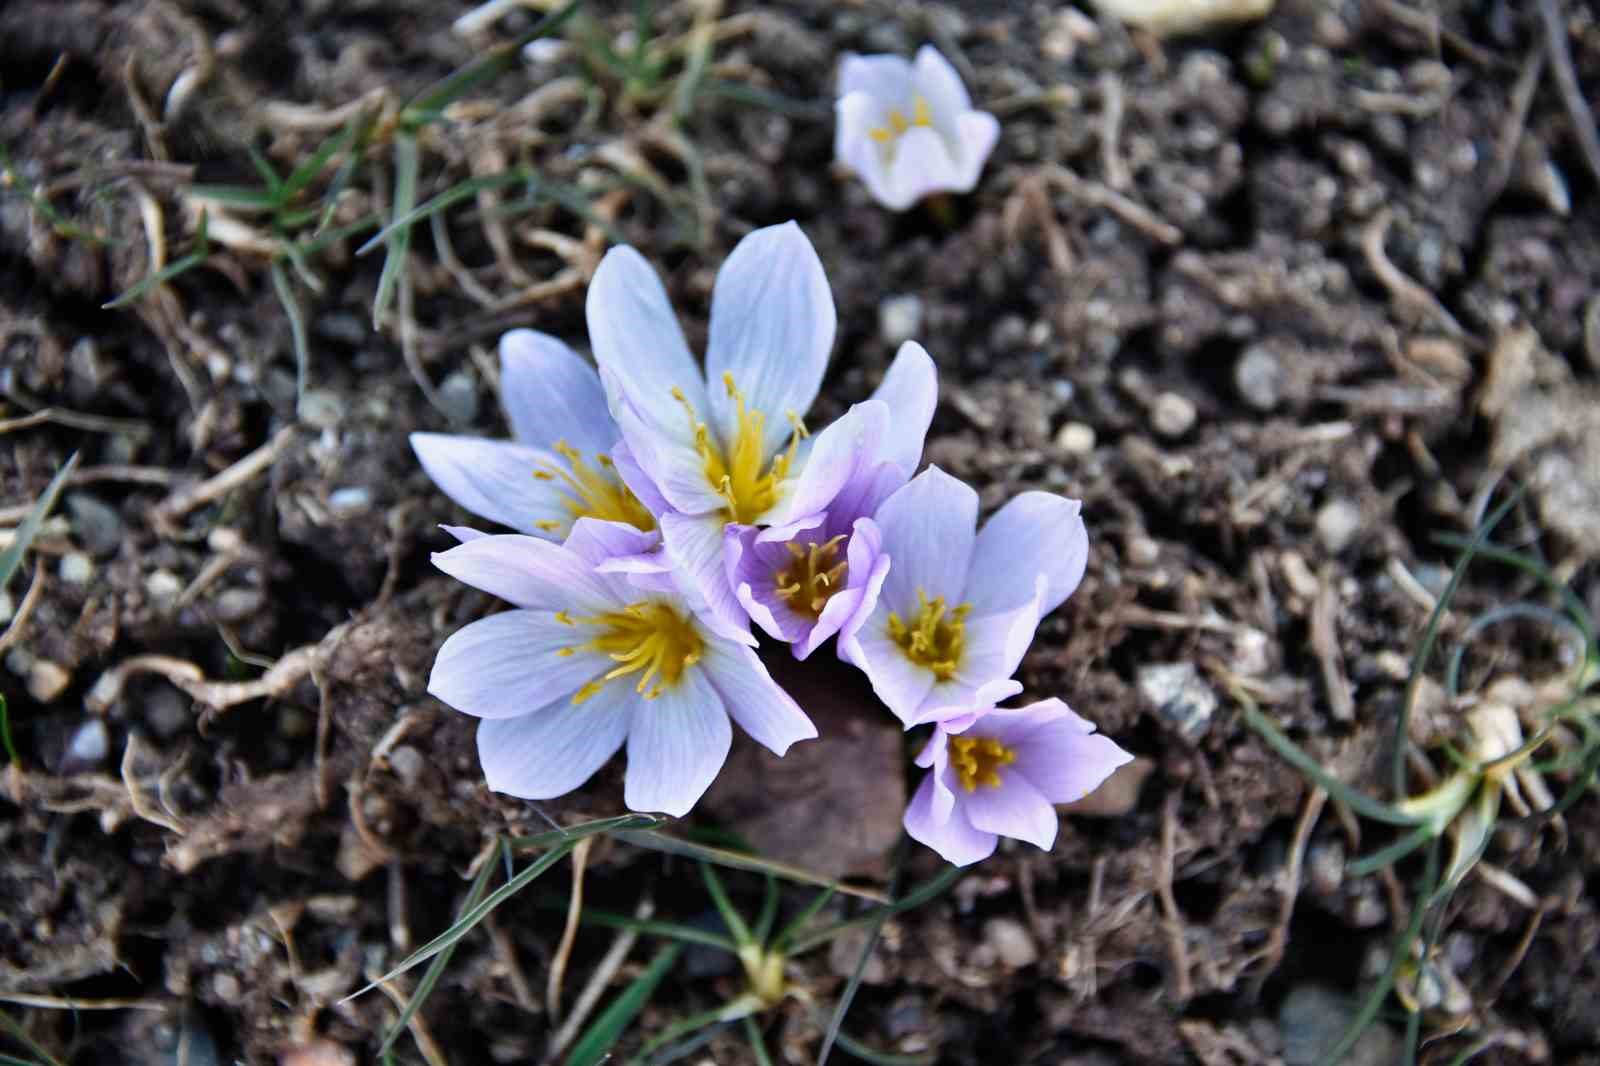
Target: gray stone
<point x="1314" y="1017"/>
<point x="900" y="319"/>
<point x="1179" y="695"/>
<point x="1338" y="521"/>
<point x="1258" y="376"/>
<point x="76" y="568"/>
<point x="1173" y="415"/>
<point x="97" y="523"/>
<point x="458" y="395"/>
<point x="87" y="749"/>
<point x="1011" y="942"/>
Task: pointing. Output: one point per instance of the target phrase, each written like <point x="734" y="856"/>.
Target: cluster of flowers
<point x="662" y="509"/>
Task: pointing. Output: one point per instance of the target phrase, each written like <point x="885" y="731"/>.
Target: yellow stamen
<point x="897" y="123"/>
<point x="592" y="491"/>
<point x="815" y="574"/>
<point x="740" y="471"/>
<point x="977" y="761"/>
<point x="936" y="636"/>
<point x="648" y="638"/>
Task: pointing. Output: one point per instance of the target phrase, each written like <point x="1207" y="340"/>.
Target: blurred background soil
<point x="1279" y="301"/>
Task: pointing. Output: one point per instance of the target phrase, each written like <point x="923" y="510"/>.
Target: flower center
<point x="935" y="636"/>
<point x="593" y="491"/>
<point x="813" y="575"/>
<point x="977" y="761"/>
<point x="740" y="471"/>
<point x="648" y="638"/>
<point x="896" y="122"/>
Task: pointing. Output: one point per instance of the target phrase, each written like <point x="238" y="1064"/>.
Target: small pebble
<point x="1338" y="521"/>
<point x="1142" y="551"/>
<point x="1314" y="1017"/>
<point x="166" y="711"/>
<point x="349" y="500"/>
<point x="237" y="604"/>
<point x="407" y="764"/>
<point x="321" y="408"/>
<point x="458" y="395"/>
<point x="47" y="680"/>
<point x="1178" y="693"/>
<point x="900" y="319"/>
<point x="87" y="749"/>
<point x="1075" y="438"/>
<point x="1173" y="415"/>
<point x="76" y="568"/>
<point x="1258" y="377"/>
<point x="1011" y="942"/>
<point x="97" y="523"/>
<point x="163" y="585"/>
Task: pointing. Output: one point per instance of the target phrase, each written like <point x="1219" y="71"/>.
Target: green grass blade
<point x="171" y="270"/>
<point x="436" y="968"/>
<point x="913" y="899"/>
<point x="5" y="732"/>
<point x="758" y="1045"/>
<point x="326" y="238"/>
<point x="347" y="168"/>
<point x="734" y="860"/>
<point x="1296" y="756"/>
<point x="687" y="934"/>
<point x="407" y="163"/>
<point x="719" y="896"/>
<point x="268" y="173"/>
<point x="297" y="329"/>
<point x="683" y="1027"/>
<point x="15" y="1030"/>
<point x="469" y="920"/>
<point x="22" y="538"/>
<point x="751" y="96"/>
<point x="595" y="1045"/>
<point x="1529" y="565"/>
<point x="430" y="105"/>
<point x="769" y="910"/>
<point x="781" y="942"/>
<point x="453" y="195"/>
<point x="1396" y="851"/>
<point x="302" y="175"/>
<point x="602" y="825"/>
<point x="880" y="1058"/>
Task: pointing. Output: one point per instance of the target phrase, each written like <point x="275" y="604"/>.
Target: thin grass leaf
<point x="765" y="99"/>
<point x="11" y="1060"/>
<point x="1430" y="635"/>
<point x="346" y="171"/>
<point x="915" y="898"/>
<point x="870" y="1054"/>
<point x="302" y="266"/>
<point x="297" y="329"/>
<point x="5" y="732"/>
<point x="758" y="1044"/>
<point x="407" y="163"/>
<point x="769" y="910"/>
<point x="302" y="175"/>
<point x="1576" y="609"/>
<point x="63" y="225"/>
<point x="1296" y="756"/>
<point x="1506" y="612"/>
<point x="780" y="943"/>
<point x="1413" y="1039"/>
<point x="688" y="934"/>
<point x="570" y="197"/>
<point x="595" y="1045"/>
<point x="15" y="1030"/>
<point x="430" y="105"/>
<point x="683" y="1050"/>
<point x="171" y="270"/>
<point x="719" y="896"/>
<point x="1396" y="851"/>
<point x="734" y="860"/>
<point x="326" y="238"/>
<point x="468" y="921"/>
<point x="268" y="173"/>
<point x="22" y="537"/>
<point x="453" y="195"/>
<point x="728" y="1012"/>
<point x="435" y="970"/>
<point x="614" y="826"/>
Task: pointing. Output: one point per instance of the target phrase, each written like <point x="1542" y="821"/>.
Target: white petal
<point x="772" y="327"/>
<point x="530" y="573"/>
<point x="551" y="394"/>
<point x="976" y="135"/>
<point x="928" y="531"/>
<point x="910" y="391"/>
<point x="939" y="84"/>
<point x="885" y="77"/>
<point x="1036" y="535"/>
<point x="754" y="700"/>
<point x="636" y="338"/>
<point x="922" y="165"/>
<point x="696" y="544"/>
<point x="668" y="459"/>
<point x="677" y="743"/>
<point x="494" y="479"/>
<point x="901" y="684"/>
<point x="553" y="751"/>
<point x="511" y="664"/>
<point x="845" y="447"/>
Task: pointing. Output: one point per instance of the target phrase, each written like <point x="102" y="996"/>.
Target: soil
<point x="1279" y="302"/>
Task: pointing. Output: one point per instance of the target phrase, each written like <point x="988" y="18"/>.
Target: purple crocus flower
<point x="958" y="608"/>
<point x="1000" y="775"/>
<point x="590" y="659"/>
<point x="562" y="464"/>
<point x="728" y="446"/>
<point x="805" y="581"/>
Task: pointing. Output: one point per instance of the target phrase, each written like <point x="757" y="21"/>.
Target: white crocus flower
<point x="909" y="130"/>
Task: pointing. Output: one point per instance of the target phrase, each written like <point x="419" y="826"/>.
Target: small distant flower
<point x="909" y="129"/>
<point x="727" y="446"/>
<point x="1000" y="775"/>
<point x="564" y="463"/>
<point x="588" y="660"/>
<point x="959" y="607"/>
<point x="804" y="582"/>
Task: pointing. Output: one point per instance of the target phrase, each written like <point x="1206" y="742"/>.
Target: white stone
<point x="900" y="319"/>
<point x="1172" y="17"/>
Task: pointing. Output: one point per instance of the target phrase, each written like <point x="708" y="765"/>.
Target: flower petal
<point x="1035" y="534"/>
<point x="530" y="573"/>
<point x="901" y="684"/>
<point x="856" y="115"/>
<point x="910" y="391"/>
<point x="928" y="530"/>
<point x="922" y="165"/>
<point x="637" y="341"/>
<point x="1056" y="750"/>
<point x="551" y="394"/>
<point x="616" y="547"/>
<point x="696" y="544"/>
<point x="1014" y="809"/>
<point x="494" y="479"/>
<point x="953" y="837"/>
<point x="939" y="83"/>
<point x="551" y="752"/>
<point x="668" y="462"/>
<point x="464" y="533"/>
<point x="677" y="743"/>
<point x="848" y="609"/>
<point x="510" y="664"/>
<point x="754" y="700"/>
<point x="976" y="135"/>
<point x="772" y="327"/>
<point x="753" y="561"/>
<point x="883" y="77"/>
<point x="844" y="447"/>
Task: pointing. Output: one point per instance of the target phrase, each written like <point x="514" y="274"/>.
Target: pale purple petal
<point x="910" y="391"/>
<point x="494" y="479"/>
<point x="772" y="327"/>
<point x="753" y="563"/>
<point x="1056" y="750"/>
<point x="696" y="544"/>
<point x="636" y="338"/>
<point x="551" y="752"/>
<point x="952" y="837"/>
<point x="921" y="165"/>
<point x="603" y="543"/>
<point x="638" y="482"/>
<point x="928" y="531"/>
<point x="883" y="77"/>
<point x="976" y="135"/>
<point x="939" y="83"/>
<point x="848" y="609"/>
<point x="1035" y="534"/>
<point x="763" y="710"/>
<point x="899" y="683"/>
<point x="464" y="533"/>
<point x="845" y="446"/>
<point x="666" y="462"/>
<point x="1014" y="809"/>
<point x="677" y="743"/>
<point x="529" y="572"/>
<point x="512" y="664"/>
<point x="551" y="394"/>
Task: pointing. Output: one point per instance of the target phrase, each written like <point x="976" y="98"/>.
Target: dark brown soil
<point x="1278" y="303"/>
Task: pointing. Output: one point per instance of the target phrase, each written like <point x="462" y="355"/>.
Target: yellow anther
<point x="816" y="574"/>
<point x="977" y="761"/>
<point x="648" y="638"/>
<point x="549" y="525"/>
<point x="896" y="123"/>
<point x="936" y="636"/>
<point x="739" y="470"/>
<point x="592" y="491"/>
